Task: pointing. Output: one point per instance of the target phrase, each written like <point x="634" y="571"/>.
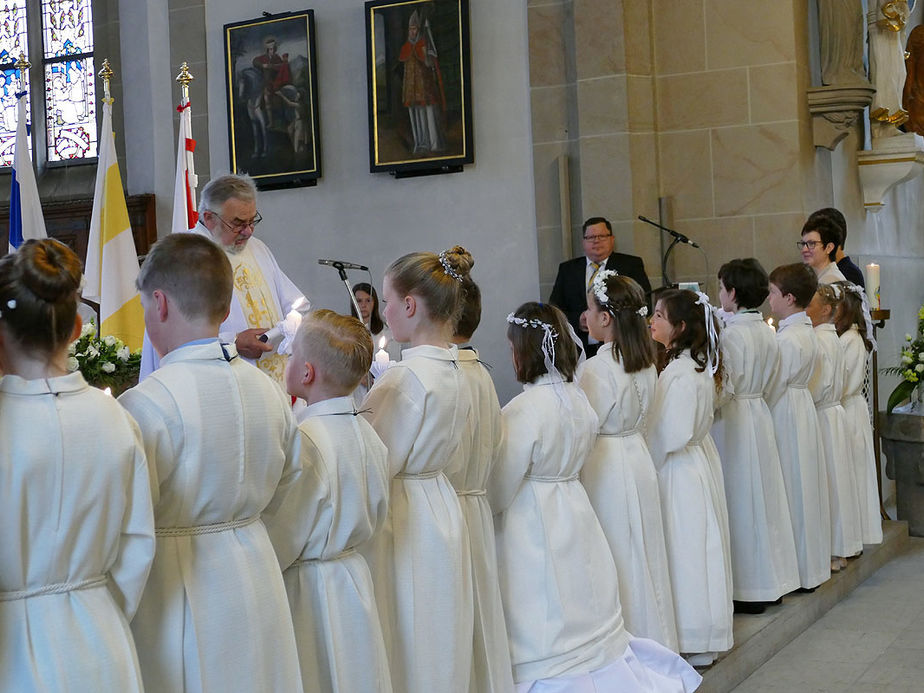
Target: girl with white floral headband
<point x="76" y="524"/>
<point x="690" y="473"/>
<point x="420" y="560"/>
<point x="557" y="576"/>
<point x="619" y="474"/>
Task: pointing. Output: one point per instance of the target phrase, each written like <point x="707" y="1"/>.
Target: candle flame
<point x="770" y="322"/>
<point x="108" y="391"/>
<point x="382" y="342"/>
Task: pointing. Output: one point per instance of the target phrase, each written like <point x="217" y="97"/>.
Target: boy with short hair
<point x="336" y="507"/>
<point x="796" y="423"/>
<point x="221" y="441"/>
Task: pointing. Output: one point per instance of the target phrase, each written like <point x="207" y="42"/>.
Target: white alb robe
<point x="221" y="438"/>
<point x="337" y="504"/>
<point x="827" y="388"/>
<point x="693" y="505"/>
<point x="622" y="485"/>
<point x="246" y="309"/>
<point x="491" y="668"/>
<point x="798" y="440"/>
<point x="76" y="522"/>
<point x="558" y="579"/>
<point x="420" y="559"/>
<point x="763" y="549"/>
<point x="860" y="433"/>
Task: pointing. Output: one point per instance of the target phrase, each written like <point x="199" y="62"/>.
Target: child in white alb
<point x="763" y="549"/>
<point x="619" y="475"/>
<point x="690" y="474"/>
<point x="795" y="422"/>
<point x="336" y="506"/>
<point x="557" y="575"/>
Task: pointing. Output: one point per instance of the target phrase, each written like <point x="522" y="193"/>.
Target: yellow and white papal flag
<point x="112" y="260"/>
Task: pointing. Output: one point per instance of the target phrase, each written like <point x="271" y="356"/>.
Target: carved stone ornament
<point x="835" y="110"/>
<point x="891" y="161"/>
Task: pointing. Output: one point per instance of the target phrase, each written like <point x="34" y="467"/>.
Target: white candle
<point x="381" y="356"/>
<point x="872" y="286"/>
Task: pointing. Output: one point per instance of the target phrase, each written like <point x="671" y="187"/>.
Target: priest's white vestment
<point x="221" y="438"/>
<point x="860" y="433"/>
<point x="420" y="559"/>
<point x="622" y="485"/>
<point x="693" y="505"/>
<point x="798" y="440"/>
<point x="337" y="504"/>
<point x="827" y="388"/>
<point x="76" y="537"/>
<point x="763" y="549"/>
<point x="491" y="668"/>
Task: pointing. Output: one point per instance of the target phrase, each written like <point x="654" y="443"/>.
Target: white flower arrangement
<point x="911" y="367"/>
<point x="104" y="361"/>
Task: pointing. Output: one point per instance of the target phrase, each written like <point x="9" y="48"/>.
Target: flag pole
<point x="106" y="74"/>
<point x="184" y="78"/>
<point x="21" y="66"/>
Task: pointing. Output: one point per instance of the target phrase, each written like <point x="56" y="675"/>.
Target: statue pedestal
<point x="835" y="110"/>
<point x="903" y="445"/>
<point x="891" y="161"/>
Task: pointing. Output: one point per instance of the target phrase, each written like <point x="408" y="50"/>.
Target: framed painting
<point x="272" y="83"/>
<point x="419" y="80"/>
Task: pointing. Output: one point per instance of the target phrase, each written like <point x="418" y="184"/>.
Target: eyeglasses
<point x="237" y="228"/>
<point x="593" y="239"/>
<point x="808" y="244"/>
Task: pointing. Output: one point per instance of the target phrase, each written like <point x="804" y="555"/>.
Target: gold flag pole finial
<point x="106" y="74"/>
<point x="184" y="78"/>
<point x="21" y="66"/>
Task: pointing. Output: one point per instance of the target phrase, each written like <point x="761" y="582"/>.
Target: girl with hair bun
<point x="690" y="474"/>
<point x="558" y="580"/>
<point x="619" y="474"/>
<point x="420" y="560"/>
<point x="76" y="525"/>
<point x="855" y="330"/>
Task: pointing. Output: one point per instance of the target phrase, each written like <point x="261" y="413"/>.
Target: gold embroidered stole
<point x="259" y="306"/>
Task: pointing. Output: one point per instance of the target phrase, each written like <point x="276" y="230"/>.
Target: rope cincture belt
<point x="752" y="395"/>
<point x="551" y="479"/>
<point x="422" y="475"/>
<point x="827" y="405"/>
<point x="473" y="492"/>
<point x="336" y="557"/>
<point x="621" y="434"/>
<point x="204" y="529"/>
<point x="54" y="588"/>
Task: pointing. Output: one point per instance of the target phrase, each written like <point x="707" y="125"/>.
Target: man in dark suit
<point x="575" y="276"/>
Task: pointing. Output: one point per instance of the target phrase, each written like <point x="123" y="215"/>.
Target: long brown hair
<point x="527" y="342"/>
<point x="688" y="318"/>
<point x="850" y="312"/>
<point x="632" y="344"/>
<point x="376" y="324"/>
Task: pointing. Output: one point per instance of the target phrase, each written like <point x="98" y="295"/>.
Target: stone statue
<point x="913" y="95"/>
<point x="887" y="65"/>
<point x="840" y="24"/>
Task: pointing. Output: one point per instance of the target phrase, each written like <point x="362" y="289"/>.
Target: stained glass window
<point x="14" y="41"/>
<point x="70" y="93"/>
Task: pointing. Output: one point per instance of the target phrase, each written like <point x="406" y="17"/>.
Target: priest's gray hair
<point x="219" y="190"/>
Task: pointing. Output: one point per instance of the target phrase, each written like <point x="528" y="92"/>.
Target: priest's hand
<point x="249" y="346"/>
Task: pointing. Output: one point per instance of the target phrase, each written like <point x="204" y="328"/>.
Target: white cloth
<point x="491" y="668"/>
<point x="622" y="485"/>
<point x="827" y="388"/>
<point x="557" y="576"/>
<point x="75" y="505"/>
<point x="337" y="504"/>
<point x="830" y="274"/>
<point x="282" y="288"/>
<point x="420" y="560"/>
<point x="763" y="549"/>
<point x="860" y="433"/>
<point x="693" y="505"/>
<point x="798" y="440"/>
<point x="220" y="436"/>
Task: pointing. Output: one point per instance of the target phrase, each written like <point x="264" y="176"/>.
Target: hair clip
<point x="447" y="268"/>
<point x="11" y="304"/>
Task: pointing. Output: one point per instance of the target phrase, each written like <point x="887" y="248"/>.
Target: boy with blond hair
<point x="336" y="507"/>
<point x="221" y="443"/>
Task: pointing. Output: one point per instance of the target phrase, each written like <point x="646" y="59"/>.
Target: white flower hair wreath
<point x="447" y="268"/>
<point x="599" y="288"/>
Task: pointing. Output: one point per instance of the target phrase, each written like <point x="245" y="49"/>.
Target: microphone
<point x="343" y="264"/>
<point x="679" y="236"/>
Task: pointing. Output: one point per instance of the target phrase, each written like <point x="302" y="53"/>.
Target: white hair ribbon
<point x="712" y="348"/>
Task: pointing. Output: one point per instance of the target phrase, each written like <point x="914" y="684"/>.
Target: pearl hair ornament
<point x="447" y="268"/>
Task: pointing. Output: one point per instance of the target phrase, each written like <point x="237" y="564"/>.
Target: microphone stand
<point x="346" y="282"/>
<point x="677" y="238"/>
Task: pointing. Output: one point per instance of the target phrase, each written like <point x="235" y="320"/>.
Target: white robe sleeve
<point x="598" y="389"/>
<point x="292" y="467"/>
<point x="156" y="436"/>
<point x="129" y="573"/>
<point x="780" y="379"/>
<point x="672" y="420"/>
<point x="395" y="414"/>
<point x="514" y="460"/>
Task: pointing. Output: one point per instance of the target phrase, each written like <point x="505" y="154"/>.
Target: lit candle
<point x="381" y="356"/>
<point x="872" y="286"/>
<point x="770" y="324"/>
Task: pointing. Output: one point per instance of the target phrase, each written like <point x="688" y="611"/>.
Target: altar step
<point x="759" y="637"/>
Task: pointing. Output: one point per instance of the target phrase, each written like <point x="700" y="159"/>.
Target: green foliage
<point x="104" y="361"/>
<point x="910" y="368"/>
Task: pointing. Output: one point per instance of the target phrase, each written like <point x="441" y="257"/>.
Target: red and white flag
<point x="185" y="215"/>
